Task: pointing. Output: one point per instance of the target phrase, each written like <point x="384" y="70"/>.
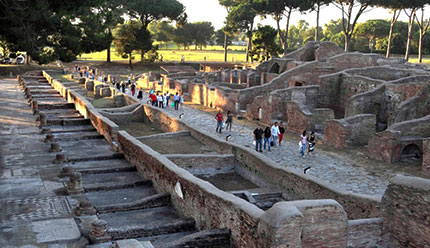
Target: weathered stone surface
<point x="56" y="230"/>
<point x="405" y="210"/>
<point x="426" y="157"/>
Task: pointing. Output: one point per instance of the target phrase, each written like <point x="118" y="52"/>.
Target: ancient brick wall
<point x="365" y="233"/>
<point x="354" y="130"/>
<point x="299" y="118"/>
<point x="426" y="157"/>
<point x="405" y="210"/>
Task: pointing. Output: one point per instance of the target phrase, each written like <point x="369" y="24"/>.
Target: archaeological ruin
<point x="105" y="169"/>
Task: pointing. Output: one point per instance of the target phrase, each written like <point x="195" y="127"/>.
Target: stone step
<point x="127" y="204"/>
<point x="214" y="238"/>
<point x="96" y="158"/>
<point x="54" y="105"/>
<point x="67" y="129"/>
<point x="165" y="238"/>
<point x="68" y="121"/>
<point x="84" y="135"/>
<point x="146" y="222"/>
<point x="111" y="181"/>
<point x="103" y="166"/>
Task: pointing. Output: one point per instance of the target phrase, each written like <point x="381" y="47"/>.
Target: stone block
<point x="105" y="92"/>
<point x="89" y="85"/>
<point x="426" y="157"/>
<point x="132" y="243"/>
<point x="56" y="230"/>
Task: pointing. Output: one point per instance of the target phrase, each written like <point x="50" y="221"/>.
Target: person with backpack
<point x="176" y="99"/>
<point x="140" y="95"/>
<point x="133" y="88"/>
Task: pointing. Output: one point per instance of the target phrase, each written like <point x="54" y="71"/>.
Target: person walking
<point x="133" y="89"/>
<point x="258" y="136"/>
<point x="164" y="100"/>
<point x="303" y="143"/>
<point x="140" y="95"/>
<point x="181" y="101"/>
<point x="281" y="132"/>
<point x="154" y="100"/>
<point x="160" y="101"/>
<point x="167" y="99"/>
<point x="219" y="118"/>
<point x="311" y="143"/>
<point x="123" y="87"/>
<point x="275" y="133"/>
<point x="176" y="99"/>
<point x="267" y="137"/>
<point x="118" y="86"/>
<point x="229" y="121"/>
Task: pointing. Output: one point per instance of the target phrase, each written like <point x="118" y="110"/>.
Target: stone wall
<point x="204" y="164"/>
<point x="413" y="108"/>
<point x="426" y="157"/>
<point x="365" y="233"/>
<point x="405" y="210"/>
<point x="299" y="117"/>
<point x="354" y="130"/>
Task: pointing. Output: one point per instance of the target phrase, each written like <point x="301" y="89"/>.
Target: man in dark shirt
<point x="258" y="135"/>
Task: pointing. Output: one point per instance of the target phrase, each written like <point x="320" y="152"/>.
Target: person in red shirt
<point x="154" y="99"/>
<point x="220" y="119"/>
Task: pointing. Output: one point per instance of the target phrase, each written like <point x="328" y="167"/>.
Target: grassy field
<point x="212" y="53"/>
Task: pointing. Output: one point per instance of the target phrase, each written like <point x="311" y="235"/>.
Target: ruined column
<point x="42" y="120"/>
<point x="59" y="158"/>
<point x="99" y="232"/>
<point x="55" y="147"/>
<point x="85" y="208"/>
<point x="49" y="138"/>
<point x="66" y="171"/>
<point x="35" y="107"/>
<point x="75" y="184"/>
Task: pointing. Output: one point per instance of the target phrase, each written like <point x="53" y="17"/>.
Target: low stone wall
<point x="301" y="186"/>
<point x="406" y="212"/>
<point x="354" y="130"/>
<point x="131" y="113"/>
<point x="365" y="233"/>
<point x="426" y="157"/>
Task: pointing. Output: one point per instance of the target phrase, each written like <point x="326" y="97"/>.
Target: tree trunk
<point x="249" y="46"/>
<point x="225" y="47"/>
<point x="281" y="35"/>
<point x="287" y="28"/>
<point x="142" y="55"/>
<point x="396" y="15"/>
<point x="27" y="59"/>
<point x="108" y="59"/>
<point x="420" y="48"/>
<point x="317" y="29"/>
<point x="347" y="42"/>
<point x="129" y="59"/>
<point x="410" y="30"/>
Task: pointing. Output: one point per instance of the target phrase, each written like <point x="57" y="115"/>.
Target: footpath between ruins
<point x="351" y="170"/>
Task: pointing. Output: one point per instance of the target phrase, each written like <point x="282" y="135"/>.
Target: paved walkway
<point x="329" y="167"/>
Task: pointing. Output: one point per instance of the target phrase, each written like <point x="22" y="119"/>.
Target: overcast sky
<point x="210" y="10"/>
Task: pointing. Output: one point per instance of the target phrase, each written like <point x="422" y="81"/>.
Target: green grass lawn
<point x="212" y="53"/>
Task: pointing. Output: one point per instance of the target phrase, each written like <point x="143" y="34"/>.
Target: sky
<point x="210" y="10"/>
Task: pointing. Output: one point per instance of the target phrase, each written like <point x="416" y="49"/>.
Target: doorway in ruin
<point x="411" y="153"/>
<point x="275" y="68"/>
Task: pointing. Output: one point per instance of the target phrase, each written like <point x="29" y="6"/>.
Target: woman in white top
<point x="303" y="140"/>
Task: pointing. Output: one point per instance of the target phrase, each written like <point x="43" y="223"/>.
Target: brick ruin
<point x="302" y="212"/>
<point x="348" y="99"/>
